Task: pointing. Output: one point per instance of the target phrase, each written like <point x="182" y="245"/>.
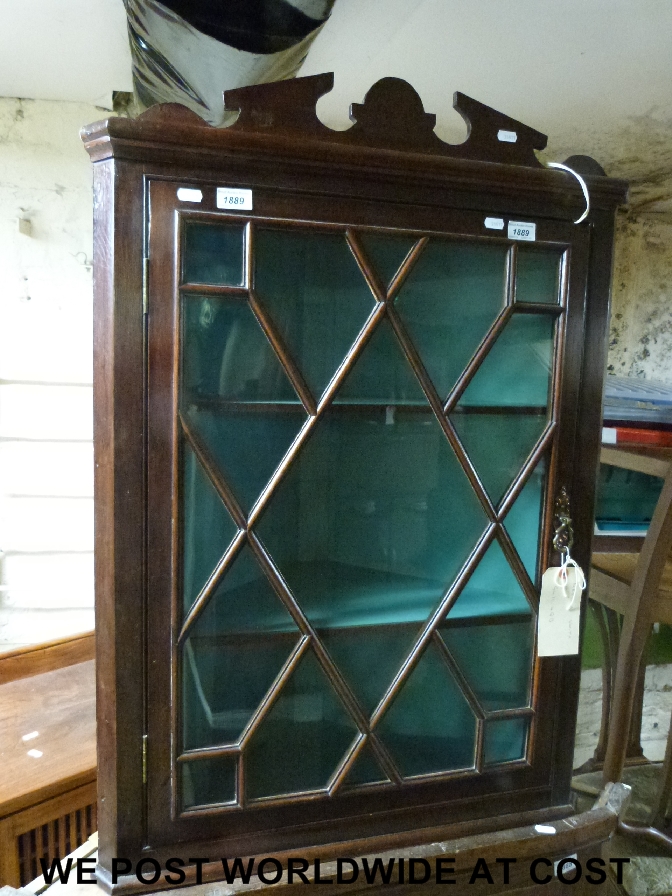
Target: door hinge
<point x="145" y="284"/>
<point x="144" y="758"/>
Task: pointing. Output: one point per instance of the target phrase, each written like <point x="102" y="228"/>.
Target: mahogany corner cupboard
<point x="341" y="380"/>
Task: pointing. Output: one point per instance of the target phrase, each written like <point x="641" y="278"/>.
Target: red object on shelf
<point x="625" y="435"/>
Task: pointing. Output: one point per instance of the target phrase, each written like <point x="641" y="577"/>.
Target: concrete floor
<point x="656" y="716"/>
<point x="646" y="874"/>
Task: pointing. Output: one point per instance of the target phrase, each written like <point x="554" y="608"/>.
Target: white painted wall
<point x="46" y="456"/>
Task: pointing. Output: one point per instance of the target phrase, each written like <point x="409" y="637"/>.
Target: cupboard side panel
<point x="587" y="452"/>
<point x="598" y="305"/>
<point x="119" y="501"/>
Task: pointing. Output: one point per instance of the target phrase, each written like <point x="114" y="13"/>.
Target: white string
<point x="561" y="578"/>
<point x="582" y="183"/>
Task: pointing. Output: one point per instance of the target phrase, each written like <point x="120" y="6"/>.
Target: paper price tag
<point x="559" y="613"/>
<point x="522" y="230"/>
<point x="234" y="198"/>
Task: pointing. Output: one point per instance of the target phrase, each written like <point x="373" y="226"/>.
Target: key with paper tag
<point x="560" y="610"/>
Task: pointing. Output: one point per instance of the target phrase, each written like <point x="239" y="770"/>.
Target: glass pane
<point x="498" y="445"/>
<point x="625" y="499"/>
<point x="524" y="519"/>
<point x="233" y="653"/>
<point x="366" y="769"/>
<point x="370" y="656"/>
<point x="503" y="680"/>
<point x="517" y="369"/>
<point x="315" y="292"/>
<point x="370" y="526"/>
<point x="207" y="528"/>
<point x="226" y="355"/>
<point x="505" y="740"/>
<point x="207" y="781"/>
<point x="386" y="253"/>
<point x="300" y="743"/>
<point x="430" y="727"/>
<point x="381" y="374"/>
<point x="247" y="443"/>
<point x="213" y="253"/>
<point x="491" y="590"/>
<point x="538" y="275"/>
<point x="449" y="302"/>
<point x="236" y="394"/>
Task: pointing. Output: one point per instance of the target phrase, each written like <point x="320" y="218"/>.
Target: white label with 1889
<point x="234" y="198"/>
<point x="522" y="230"/>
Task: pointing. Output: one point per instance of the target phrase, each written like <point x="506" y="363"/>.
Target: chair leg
<point x="607" y="622"/>
<point x="663" y="810"/>
<point x="635" y="750"/>
<point x="608" y="657"/>
<point x="631" y="647"/>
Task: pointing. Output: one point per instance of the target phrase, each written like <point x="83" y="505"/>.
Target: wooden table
<point x="47" y="768"/>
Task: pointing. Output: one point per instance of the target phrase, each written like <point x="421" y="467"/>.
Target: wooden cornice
<point x="392" y="135"/>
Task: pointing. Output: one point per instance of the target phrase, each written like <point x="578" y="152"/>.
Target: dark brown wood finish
<point x="119" y="432"/>
<point x="373" y="177"/>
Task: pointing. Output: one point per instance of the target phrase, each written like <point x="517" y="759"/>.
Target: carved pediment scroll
<point x="391" y="116"/>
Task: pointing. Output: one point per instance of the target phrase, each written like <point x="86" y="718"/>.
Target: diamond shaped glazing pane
<point x="301" y="741"/>
<point x="207" y="527"/>
<point x="235" y="649"/>
<point x="430" y="726"/>
<point x="314" y="291"/>
<point x="449" y="301"/>
<point x="386" y="252"/>
<point x="235" y="393"/>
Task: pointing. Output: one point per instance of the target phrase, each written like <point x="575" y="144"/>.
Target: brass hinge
<point x="145" y="284"/>
<point x="144" y="758"/>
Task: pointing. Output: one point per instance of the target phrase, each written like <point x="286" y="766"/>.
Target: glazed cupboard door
<point x="355" y="442"/>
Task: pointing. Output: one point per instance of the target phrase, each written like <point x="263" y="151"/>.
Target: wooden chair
<point x="638" y="587"/>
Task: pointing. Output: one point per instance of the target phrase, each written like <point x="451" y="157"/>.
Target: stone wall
<point x="640" y="338"/>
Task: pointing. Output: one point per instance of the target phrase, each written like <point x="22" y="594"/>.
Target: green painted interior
<point x="302" y="739"/>
<point x="227" y="668"/>
<point x="213" y="254"/>
<point x="208" y="527"/>
<point x="504" y="740"/>
<point x="448" y="303"/>
<point x="208" y="781"/>
<point x="430" y="726"/>
<point x="517" y="369"/>
<point x="538" y="275"/>
<point x="386" y="252"/>
<point x="311" y="286"/>
<point x="523" y="520"/>
<point x="498" y="445"/>
<point x="373" y="520"/>
<point x="366" y="769"/>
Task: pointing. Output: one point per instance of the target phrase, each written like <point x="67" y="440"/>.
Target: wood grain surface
<point x="60" y="706"/>
<point x="38" y="658"/>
